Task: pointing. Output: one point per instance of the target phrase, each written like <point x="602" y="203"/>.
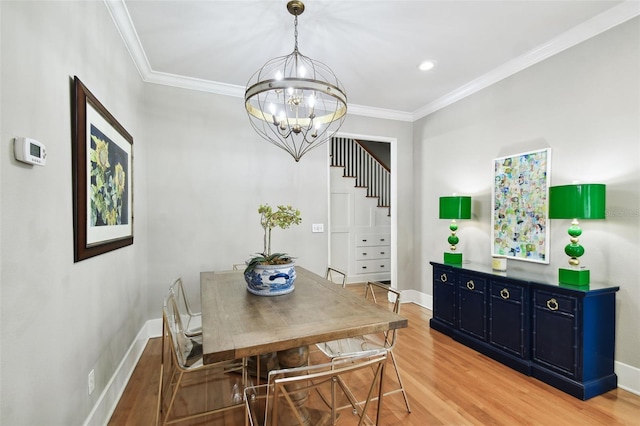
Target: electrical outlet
<point x="317" y="227"/>
<point x="91" y="381"/>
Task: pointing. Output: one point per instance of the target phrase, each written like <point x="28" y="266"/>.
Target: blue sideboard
<point x="562" y="335"/>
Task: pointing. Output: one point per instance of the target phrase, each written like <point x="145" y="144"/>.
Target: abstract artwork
<point x="520" y="206"/>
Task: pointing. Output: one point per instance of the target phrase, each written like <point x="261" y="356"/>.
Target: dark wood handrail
<point x="371" y="153"/>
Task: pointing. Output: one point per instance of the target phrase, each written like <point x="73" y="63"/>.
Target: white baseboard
<point x="628" y="376"/>
<point x="108" y="400"/>
<point x="419" y="298"/>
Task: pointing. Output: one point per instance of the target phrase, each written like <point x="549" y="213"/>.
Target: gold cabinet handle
<point x="443" y="278"/>
<point x="471" y="285"/>
<point x="504" y="293"/>
<point x="552" y="304"/>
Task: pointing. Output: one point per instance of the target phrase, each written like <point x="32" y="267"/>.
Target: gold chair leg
<point x="159" y="395"/>
<point x="401" y="389"/>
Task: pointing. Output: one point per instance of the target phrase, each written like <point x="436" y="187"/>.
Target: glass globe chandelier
<point x="294" y="102"/>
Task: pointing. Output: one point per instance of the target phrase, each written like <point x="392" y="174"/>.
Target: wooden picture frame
<point x="520" y="206"/>
<point x="102" y="174"/>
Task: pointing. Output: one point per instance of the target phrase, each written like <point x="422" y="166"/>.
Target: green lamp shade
<point x="576" y="201"/>
<point x="455" y="207"/>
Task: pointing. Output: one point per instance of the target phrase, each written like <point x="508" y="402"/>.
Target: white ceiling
<point x="373" y="46"/>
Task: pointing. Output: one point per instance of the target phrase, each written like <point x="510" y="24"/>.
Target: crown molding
<point x="584" y="31"/>
<point x="121" y="18"/>
<point x="374" y="112"/>
<point x="581" y="32"/>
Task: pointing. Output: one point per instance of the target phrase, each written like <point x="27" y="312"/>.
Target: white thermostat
<point x="30" y="151"/>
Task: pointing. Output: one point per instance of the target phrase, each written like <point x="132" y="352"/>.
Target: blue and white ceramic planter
<point x="271" y="280"/>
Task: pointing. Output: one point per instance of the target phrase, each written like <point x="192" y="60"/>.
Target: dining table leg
<point x="293" y="358"/>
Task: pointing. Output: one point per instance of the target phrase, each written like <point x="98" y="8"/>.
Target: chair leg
<point x="401" y="388"/>
<point x="380" y="393"/>
<point x="159" y="395"/>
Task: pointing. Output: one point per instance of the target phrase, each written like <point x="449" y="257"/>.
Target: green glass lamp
<point x="454" y="207"/>
<point x="579" y="201"/>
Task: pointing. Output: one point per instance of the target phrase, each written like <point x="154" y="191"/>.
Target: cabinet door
<point x="472" y="306"/>
<point x="508" y="317"/>
<point x="556" y="342"/>
<point x="444" y="291"/>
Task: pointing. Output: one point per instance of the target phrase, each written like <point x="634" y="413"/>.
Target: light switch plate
<point x="317" y="227"/>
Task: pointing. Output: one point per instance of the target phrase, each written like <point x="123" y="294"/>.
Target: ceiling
<point x="373" y="46"/>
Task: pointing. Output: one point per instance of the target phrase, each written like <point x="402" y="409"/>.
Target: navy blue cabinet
<point x="564" y="336"/>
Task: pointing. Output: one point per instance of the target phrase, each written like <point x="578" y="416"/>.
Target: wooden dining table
<point x="238" y="324"/>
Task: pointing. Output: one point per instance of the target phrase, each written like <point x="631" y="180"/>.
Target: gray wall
<point x="583" y="103"/>
<point x="61" y="319"/>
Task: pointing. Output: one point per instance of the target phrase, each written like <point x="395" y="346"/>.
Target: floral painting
<point x="102" y="178"/>
<point x="520" y="206"/>
<point x="109" y="173"/>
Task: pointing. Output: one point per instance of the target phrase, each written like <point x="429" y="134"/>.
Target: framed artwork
<point x="102" y="163"/>
<point x="520" y="206"/>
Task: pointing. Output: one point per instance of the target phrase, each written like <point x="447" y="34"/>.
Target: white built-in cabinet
<point x="360" y="232"/>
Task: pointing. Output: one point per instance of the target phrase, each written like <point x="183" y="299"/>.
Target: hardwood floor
<point x="447" y="383"/>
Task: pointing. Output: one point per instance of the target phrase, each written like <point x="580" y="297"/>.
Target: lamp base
<point x="573" y="276"/>
<point x="453" y="258"/>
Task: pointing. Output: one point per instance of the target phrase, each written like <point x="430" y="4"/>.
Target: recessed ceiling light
<point x="426" y="65"/>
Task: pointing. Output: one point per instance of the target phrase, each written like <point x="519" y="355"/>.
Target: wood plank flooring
<point x="447" y="383"/>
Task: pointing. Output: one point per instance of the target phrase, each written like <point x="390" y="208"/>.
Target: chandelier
<point x="294" y="102"/>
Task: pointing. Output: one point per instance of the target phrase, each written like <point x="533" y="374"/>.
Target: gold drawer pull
<point x="471" y="285"/>
<point x="443" y="278"/>
<point x="504" y="293"/>
<point x="552" y="304"/>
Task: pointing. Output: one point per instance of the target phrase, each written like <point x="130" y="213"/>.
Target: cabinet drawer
<point x="368" y="240"/>
<point x="369" y="266"/>
<point x="507" y="291"/>
<point x="555" y="302"/>
<point x="472" y="283"/>
<point x="375" y="252"/>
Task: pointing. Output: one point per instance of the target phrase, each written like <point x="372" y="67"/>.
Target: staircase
<point x="362" y="165"/>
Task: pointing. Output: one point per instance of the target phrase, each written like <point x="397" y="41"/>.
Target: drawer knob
<point x="504" y="293"/>
<point x="381" y="252"/>
<point x="552" y="304"/>
<point x="471" y="285"/>
<point x="382" y="239"/>
<point x="443" y="278"/>
<point x="364" y="254"/>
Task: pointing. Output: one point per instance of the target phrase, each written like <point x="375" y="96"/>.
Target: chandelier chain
<point x="295" y="32"/>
